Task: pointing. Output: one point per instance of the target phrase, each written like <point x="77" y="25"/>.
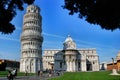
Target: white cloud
<point x="80" y="43"/>
<point x="52" y="35"/>
<point x="10" y="39"/>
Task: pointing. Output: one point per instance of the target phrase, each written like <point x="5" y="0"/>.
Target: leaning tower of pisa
<point x="31" y="41"/>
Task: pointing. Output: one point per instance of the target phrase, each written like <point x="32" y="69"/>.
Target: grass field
<point x="102" y="75"/>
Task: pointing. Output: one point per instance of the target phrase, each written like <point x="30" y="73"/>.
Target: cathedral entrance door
<point x="51" y="65"/>
<point x="89" y="67"/>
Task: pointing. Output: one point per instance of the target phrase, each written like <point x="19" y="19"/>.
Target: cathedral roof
<point x="68" y="39"/>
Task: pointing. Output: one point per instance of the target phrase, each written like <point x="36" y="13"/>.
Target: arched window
<point x="28" y="10"/>
<point x="93" y="62"/>
<point x="78" y="64"/>
<point x="60" y="64"/>
<point x="32" y="9"/>
<point x="69" y="56"/>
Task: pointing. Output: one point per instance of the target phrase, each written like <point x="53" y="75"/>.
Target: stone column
<point x="83" y="63"/>
<point x="74" y="68"/>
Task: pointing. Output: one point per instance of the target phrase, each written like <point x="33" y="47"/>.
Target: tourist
<point x="10" y="76"/>
<point x="58" y="73"/>
<point x="41" y="73"/>
<point x="50" y="73"/>
<point x="14" y="73"/>
<point x="26" y="73"/>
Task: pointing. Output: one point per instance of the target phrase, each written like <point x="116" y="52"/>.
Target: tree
<point x="8" y="11"/>
<point x="105" y="13"/>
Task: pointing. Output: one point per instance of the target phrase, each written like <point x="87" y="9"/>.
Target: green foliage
<point x="8" y="10"/>
<point x="102" y="75"/>
<point x="105" y="13"/>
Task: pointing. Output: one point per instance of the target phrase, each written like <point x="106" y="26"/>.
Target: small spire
<point x="68" y="38"/>
<point x="69" y="35"/>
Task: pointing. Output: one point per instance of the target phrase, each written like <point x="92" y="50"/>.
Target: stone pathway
<point x="34" y="77"/>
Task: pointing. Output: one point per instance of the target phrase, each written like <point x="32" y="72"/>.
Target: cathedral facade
<point x="70" y="58"/>
<point x="31" y="41"/>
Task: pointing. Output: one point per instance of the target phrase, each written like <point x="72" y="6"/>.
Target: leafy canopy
<point x="105" y="13"/>
<point x="8" y="11"/>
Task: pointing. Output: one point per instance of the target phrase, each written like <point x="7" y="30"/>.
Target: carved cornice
<point x="34" y="15"/>
<point x="32" y="37"/>
<point x="37" y="28"/>
<point x="31" y="50"/>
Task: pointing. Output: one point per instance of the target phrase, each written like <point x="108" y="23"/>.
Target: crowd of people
<point x="50" y="73"/>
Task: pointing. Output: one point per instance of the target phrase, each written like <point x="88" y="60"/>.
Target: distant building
<point x="8" y="64"/>
<point x="103" y="66"/>
<point x="116" y="64"/>
<point x="70" y="58"/>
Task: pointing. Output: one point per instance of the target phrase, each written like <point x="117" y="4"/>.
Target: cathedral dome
<point x="69" y="39"/>
<point x="69" y="43"/>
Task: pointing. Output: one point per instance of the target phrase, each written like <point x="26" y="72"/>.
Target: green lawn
<point x="102" y="75"/>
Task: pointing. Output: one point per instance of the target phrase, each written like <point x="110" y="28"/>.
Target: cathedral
<point x="70" y="58"/>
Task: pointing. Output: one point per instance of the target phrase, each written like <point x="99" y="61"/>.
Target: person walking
<point x="10" y="76"/>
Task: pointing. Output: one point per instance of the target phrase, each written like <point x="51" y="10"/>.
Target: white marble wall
<point x="83" y="62"/>
<point x="48" y="57"/>
<point x="31" y="41"/>
<point x="70" y="64"/>
<point x="72" y="57"/>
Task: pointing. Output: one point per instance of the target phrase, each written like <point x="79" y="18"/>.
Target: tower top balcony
<point x="33" y="9"/>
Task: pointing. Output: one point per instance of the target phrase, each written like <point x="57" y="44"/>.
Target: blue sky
<point x="56" y="25"/>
